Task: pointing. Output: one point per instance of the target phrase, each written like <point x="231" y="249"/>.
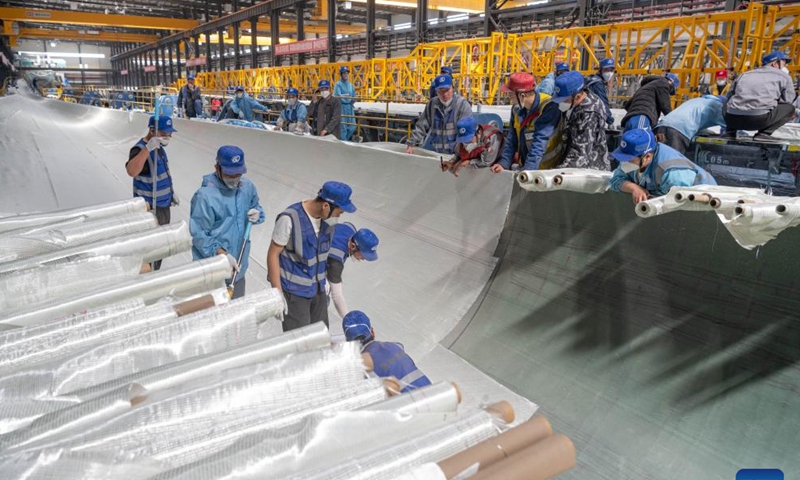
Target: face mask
<point x="565" y="106"/>
<point x="164" y="141"/>
<point x="628" y="167"/>
<point x="470" y="146"/>
<point x="292" y="101"/>
<point x="447" y="102"/>
<point x="785" y="70"/>
<point x="232" y="183"/>
<point x="325" y="93"/>
<point x="240" y="95"/>
<point x="607" y="76"/>
<point x="721" y="83"/>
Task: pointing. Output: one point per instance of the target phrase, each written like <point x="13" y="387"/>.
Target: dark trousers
<point x="238" y="289"/>
<point x="163" y="216"/>
<point x="305" y="311"/>
<point x="673" y="138"/>
<point x="767" y="123"/>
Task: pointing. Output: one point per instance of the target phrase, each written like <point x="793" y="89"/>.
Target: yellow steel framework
<point x="82" y="35"/>
<point x="66" y="17"/>
<point x="692" y="47"/>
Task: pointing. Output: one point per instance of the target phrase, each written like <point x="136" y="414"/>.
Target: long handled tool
<point x="232" y="286"/>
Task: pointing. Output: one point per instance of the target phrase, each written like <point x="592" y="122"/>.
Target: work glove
<point x="153" y="144"/>
<point x="280" y="315"/>
<point x="175" y="200"/>
<point x="253" y="215"/>
<point x="233" y="262"/>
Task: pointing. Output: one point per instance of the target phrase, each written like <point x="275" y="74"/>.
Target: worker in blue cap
<point x="328" y="111"/>
<point x="650" y="101"/>
<point x="437" y="123"/>
<point x="585" y="143"/>
<point x="188" y="97"/>
<point x="548" y="83"/>
<point x="761" y="99"/>
<point x="478" y="146"/>
<point x="146" y="155"/>
<point x="346" y="93"/>
<point x="599" y="83"/>
<point x="648" y="168"/>
<point x="389" y="359"/>
<point x="221" y="209"/>
<point x="348" y="243"/>
<point x="298" y="254"/>
<point x="241" y="106"/>
<point x="295" y="116"/>
<point x="445" y="70"/>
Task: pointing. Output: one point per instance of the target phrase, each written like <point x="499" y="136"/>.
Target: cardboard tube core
<point x="558" y="179"/>
<point x="715" y="202"/>
<point x="458" y="392"/>
<point x="195" y="305"/>
<point x="502" y="410"/>
<point x="523" y="177"/>
<point x="544" y="459"/>
<point x="700" y="198"/>
<point x="739" y="210"/>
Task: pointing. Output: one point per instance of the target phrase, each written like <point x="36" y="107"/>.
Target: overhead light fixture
<point x="53" y="44"/>
<point x="457" y="18"/>
<point x="537" y="2"/>
<point x="348" y="5"/>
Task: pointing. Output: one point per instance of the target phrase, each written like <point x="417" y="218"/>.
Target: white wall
<point x="26" y="45"/>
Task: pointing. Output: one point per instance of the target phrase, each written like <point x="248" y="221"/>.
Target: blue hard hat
<point x="567" y="85"/>
<point x="446" y="70"/>
<point x="231" y="160"/>
<point x="344" y="69"/>
<point x="676" y="82"/>
<point x="635" y="143"/>
<point x="338" y="194"/>
<point x="292" y="91"/>
<point x="367" y="243"/>
<point x="324" y="84"/>
<point x="561" y="66"/>
<point x="356" y="324"/>
<point x="442" y="81"/>
<point x="164" y="123"/>
<point x="776" y="55"/>
<point x="190" y="77"/>
<point x="466" y="128"/>
<point x="607" y="63"/>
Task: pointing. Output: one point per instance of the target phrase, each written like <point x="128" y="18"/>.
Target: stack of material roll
<point x="571" y="179"/>
<point x="161" y="376"/>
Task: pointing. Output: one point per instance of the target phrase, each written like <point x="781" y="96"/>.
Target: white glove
<point x="233" y="262"/>
<point x="280" y="315"/>
<point x="153" y="144"/>
<point x="253" y="215"/>
<point x="175" y="200"/>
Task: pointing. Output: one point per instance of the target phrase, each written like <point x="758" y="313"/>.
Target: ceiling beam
<point x="83" y="36"/>
<point x="289" y="27"/>
<point x="65" y="17"/>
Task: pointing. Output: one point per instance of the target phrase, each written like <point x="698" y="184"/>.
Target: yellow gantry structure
<point x="693" y="47"/>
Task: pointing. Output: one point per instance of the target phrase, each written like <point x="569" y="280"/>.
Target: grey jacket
<point x="459" y="107"/>
<point x="758" y="91"/>
<point x="328" y="116"/>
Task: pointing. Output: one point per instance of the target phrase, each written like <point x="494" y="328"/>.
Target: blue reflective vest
<point x="443" y="132"/>
<point x="340" y="244"/>
<point x="390" y="360"/>
<point x="143" y="184"/>
<point x="304" y="259"/>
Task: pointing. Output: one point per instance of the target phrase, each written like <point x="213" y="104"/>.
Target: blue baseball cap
<point x="356" y="324"/>
<point x="776" y="55"/>
<point x="607" y="63"/>
<point x="367" y="243"/>
<point x="567" y="85"/>
<point x="561" y="66"/>
<point x="446" y="70"/>
<point x="344" y="69"/>
<point x="338" y="194"/>
<point x="635" y="143"/>
<point x="190" y="77"/>
<point x="239" y="88"/>
<point x="466" y="129"/>
<point x="164" y="123"/>
<point x="292" y="91"/>
<point x="231" y="160"/>
<point x="324" y="84"/>
<point x="676" y="82"/>
<point x="442" y="81"/>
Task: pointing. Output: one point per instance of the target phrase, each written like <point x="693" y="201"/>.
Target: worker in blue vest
<point x="648" y="168"/>
<point x="221" y="209"/>
<point x="348" y="242"/>
<point x="389" y="359"/>
<point x="346" y="92"/>
<point x="294" y="118"/>
<point x="437" y="123"/>
<point x="445" y="70"/>
<point x="298" y="254"/>
<point x="149" y="151"/>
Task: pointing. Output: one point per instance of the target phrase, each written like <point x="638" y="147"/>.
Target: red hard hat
<point x="721" y="74"/>
<point x="519" y="82"/>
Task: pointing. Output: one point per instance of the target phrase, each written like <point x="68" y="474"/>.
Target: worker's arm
<point x="618" y="179"/>
<point x="201" y="224"/>
<point x="420" y="128"/>
<point x="136" y="164"/>
<point x="224" y="111"/>
<point x="334" y="275"/>
<point x="787" y="94"/>
<point x="273" y="265"/>
<point x="545" y="126"/>
<point x="302" y="112"/>
<point x="677" y="177"/>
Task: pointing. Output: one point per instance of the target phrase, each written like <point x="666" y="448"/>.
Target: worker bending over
<point x="389" y="359"/>
<point x="221" y="209"/>
<point x="478" y="146"/>
<point x="241" y="106"/>
<point x="650" y="101"/>
<point x="679" y="127"/>
<point x="294" y="117"/>
<point x="585" y="131"/>
<point x="348" y="242"/>
<point x="648" y="168"/>
<point x="439" y="118"/>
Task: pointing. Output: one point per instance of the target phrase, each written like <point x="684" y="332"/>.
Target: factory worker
<point x="389" y="359"/>
<point x="328" y="112"/>
<point x="438" y="120"/>
<point x="679" y="127"/>
<point x="585" y="130"/>
<point x="241" y="106"/>
<point x="294" y="117"/>
<point x="478" y="146"/>
<point x="598" y="83"/>
<point x="346" y="93"/>
<point x="221" y="209"/>
<point x="348" y="242"/>
<point x="650" y="101"/>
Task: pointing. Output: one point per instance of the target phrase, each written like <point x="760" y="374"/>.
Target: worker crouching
<point x="478" y="146"/>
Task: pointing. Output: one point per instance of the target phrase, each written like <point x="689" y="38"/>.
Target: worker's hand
<point x="153" y="144"/>
<point x="253" y="215"/>
<point x="324" y="132"/>
<point x="410" y="150"/>
<point x="282" y="314"/>
<point x="175" y="200"/>
<point x="233" y="262"/>
<point x="496" y="168"/>
<point x="447" y="165"/>
<point x="639" y="194"/>
<point x="458" y="166"/>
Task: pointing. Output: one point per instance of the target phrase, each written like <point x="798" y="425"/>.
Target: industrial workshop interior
<point x="567" y="227"/>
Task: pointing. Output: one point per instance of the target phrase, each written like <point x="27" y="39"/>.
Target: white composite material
<point x="438" y="233"/>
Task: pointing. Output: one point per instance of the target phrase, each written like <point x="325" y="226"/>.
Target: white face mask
<point x="232" y="183"/>
<point x="470" y="146"/>
<point x="628" y="167"/>
<point x="446" y="103"/>
<point x="607" y="76"/>
<point x="785" y="70"/>
<point x="565" y="106"/>
<point x="721" y="83"/>
<point x="240" y="95"/>
<point x="164" y="141"/>
<point x="325" y="93"/>
<point x="292" y="101"/>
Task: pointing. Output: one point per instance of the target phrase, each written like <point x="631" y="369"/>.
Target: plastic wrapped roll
<point x="70" y="222"/>
<point x="69" y="465"/>
<point x="306" y="338"/>
<point x="18" y="413"/>
<point x="33" y="244"/>
<point x="151" y="245"/>
<point x="788" y="209"/>
<point x="42" y="286"/>
<point x="385" y="463"/>
<point x="536" y="180"/>
<point x="542" y="460"/>
<point x="123" y="207"/>
<point x="442" y="397"/>
<point x="203" y="275"/>
<point x="651" y="208"/>
<point x="759" y="214"/>
<point x="588" y="181"/>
